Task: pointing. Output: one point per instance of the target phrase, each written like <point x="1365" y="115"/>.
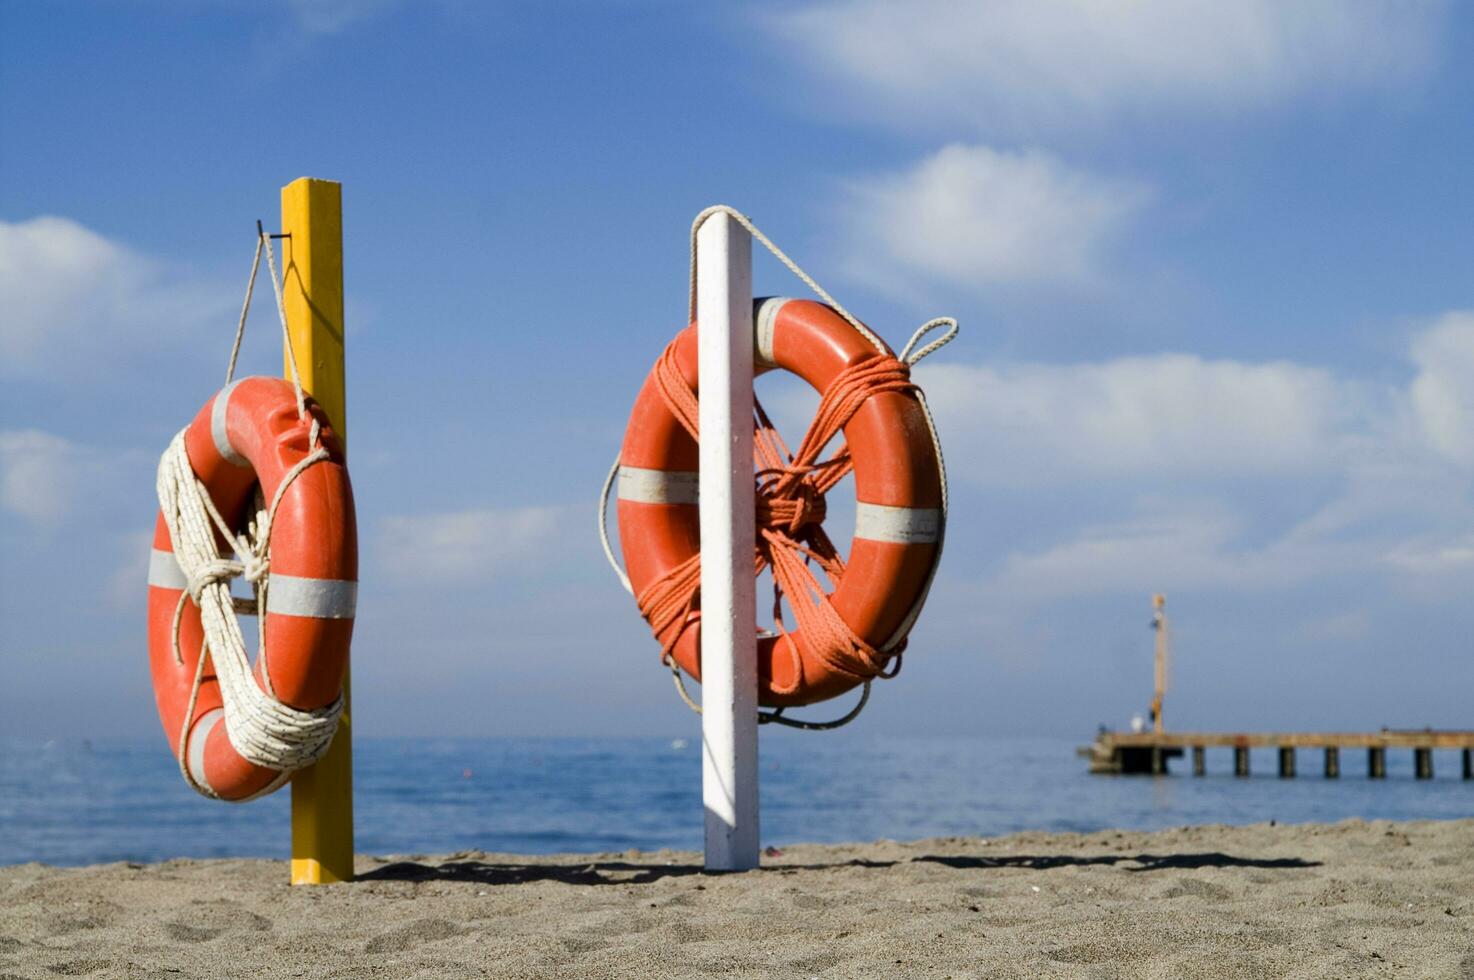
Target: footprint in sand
<point x="1197" y="889"/>
<point x="79" y="968"/>
<point x="186" y="933"/>
<point x="205" y="922"/>
<point x="408" y="937"/>
<point x="78" y="916"/>
<point x="1095" y="952"/>
<point x="583" y="944"/>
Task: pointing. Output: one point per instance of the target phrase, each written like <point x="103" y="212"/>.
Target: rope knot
<point x="209" y="573"/>
<point x="256" y="568"/>
<point x="790" y="508"/>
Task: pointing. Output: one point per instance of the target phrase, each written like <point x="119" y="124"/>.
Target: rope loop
<point x="911" y="356"/>
<point x="263" y="244"/>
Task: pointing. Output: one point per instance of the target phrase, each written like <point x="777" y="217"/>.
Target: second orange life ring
<point x="898" y="487"/>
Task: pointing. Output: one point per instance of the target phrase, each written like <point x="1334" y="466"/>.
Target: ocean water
<point x="82" y="802"/>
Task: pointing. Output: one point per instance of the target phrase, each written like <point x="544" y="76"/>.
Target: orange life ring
<point x="898" y="488"/>
<point x="250" y="434"/>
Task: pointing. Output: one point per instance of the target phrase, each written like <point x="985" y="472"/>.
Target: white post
<point x="728" y="513"/>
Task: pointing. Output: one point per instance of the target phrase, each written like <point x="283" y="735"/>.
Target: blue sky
<point x="1212" y="261"/>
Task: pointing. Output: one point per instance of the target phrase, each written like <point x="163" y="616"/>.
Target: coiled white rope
<point x="262" y="729"/>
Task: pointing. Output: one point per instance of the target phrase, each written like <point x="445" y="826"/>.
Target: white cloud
<point x="333" y="16"/>
<point x="1443" y="394"/>
<point x="1021" y="64"/>
<point x="975" y="217"/>
<point x="76" y="299"/>
<point x="1392" y="469"/>
<point x="1434" y="556"/>
<point x="127" y="585"/>
<point x="1030" y="424"/>
<point x="39" y="474"/>
<point x="1191" y="545"/>
<point x="471" y="545"/>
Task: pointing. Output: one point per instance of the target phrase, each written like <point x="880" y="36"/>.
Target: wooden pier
<point x="1148" y="752"/>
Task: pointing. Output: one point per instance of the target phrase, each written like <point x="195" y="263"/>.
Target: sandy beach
<point x="1351" y="899"/>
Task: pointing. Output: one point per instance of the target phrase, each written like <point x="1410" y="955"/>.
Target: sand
<point x="1354" y="899"/>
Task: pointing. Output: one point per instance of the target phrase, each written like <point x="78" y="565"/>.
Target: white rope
<point x="262" y="729"/>
<point x="240" y="328"/>
<point x="624" y="579"/>
<point x="781" y="256"/>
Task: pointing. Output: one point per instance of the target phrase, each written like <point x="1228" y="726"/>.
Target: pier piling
<point x="1376" y="763"/>
<point x="1333" y="763"/>
<point x="1240" y="760"/>
<point x="1287" y="762"/>
<point x="1199" y="767"/>
<point x="1469" y="763"/>
<point x="1423" y="763"/>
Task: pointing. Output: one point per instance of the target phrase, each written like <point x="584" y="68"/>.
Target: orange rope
<point x="790" y="514"/>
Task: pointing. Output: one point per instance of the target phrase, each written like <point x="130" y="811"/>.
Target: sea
<point x="86" y="802"/>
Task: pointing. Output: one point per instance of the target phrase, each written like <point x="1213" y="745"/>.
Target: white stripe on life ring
<point x="289" y="595"/>
<point x="197" y="739"/>
<point x="901" y="525"/>
<point x="644" y="486"/>
<point x="218" y="430"/>
<point x="164" y="572"/>
<point x="319" y="598"/>
<point x="764" y="321"/>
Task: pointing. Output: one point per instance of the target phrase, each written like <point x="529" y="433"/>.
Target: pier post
<point x="1159" y="764"/>
<point x="729" y="771"/>
<point x="1333" y="762"/>
<point x="1240" y="760"/>
<point x="1376" y="763"/>
<point x="1287" y="762"/>
<point x="1199" y="767"/>
<point x="1423" y="763"/>
<point x="1469" y="763"/>
<point x="312" y="292"/>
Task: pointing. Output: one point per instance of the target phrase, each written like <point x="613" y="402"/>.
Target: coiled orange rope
<point x="790" y="513"/>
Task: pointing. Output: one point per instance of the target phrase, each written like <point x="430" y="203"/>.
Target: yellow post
<point x="312" y="264"/>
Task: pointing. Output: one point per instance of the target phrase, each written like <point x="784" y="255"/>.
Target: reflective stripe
<point x="197" y="740"/>
<point x="764" y="322"/>
<point x="320" y="598"/>
<point x="658" y="486"/>
<point x="164" y="571"/>
<point x="902" y="525"/>
<point x="290" y="595"/>
<point x="218" y="429"/>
